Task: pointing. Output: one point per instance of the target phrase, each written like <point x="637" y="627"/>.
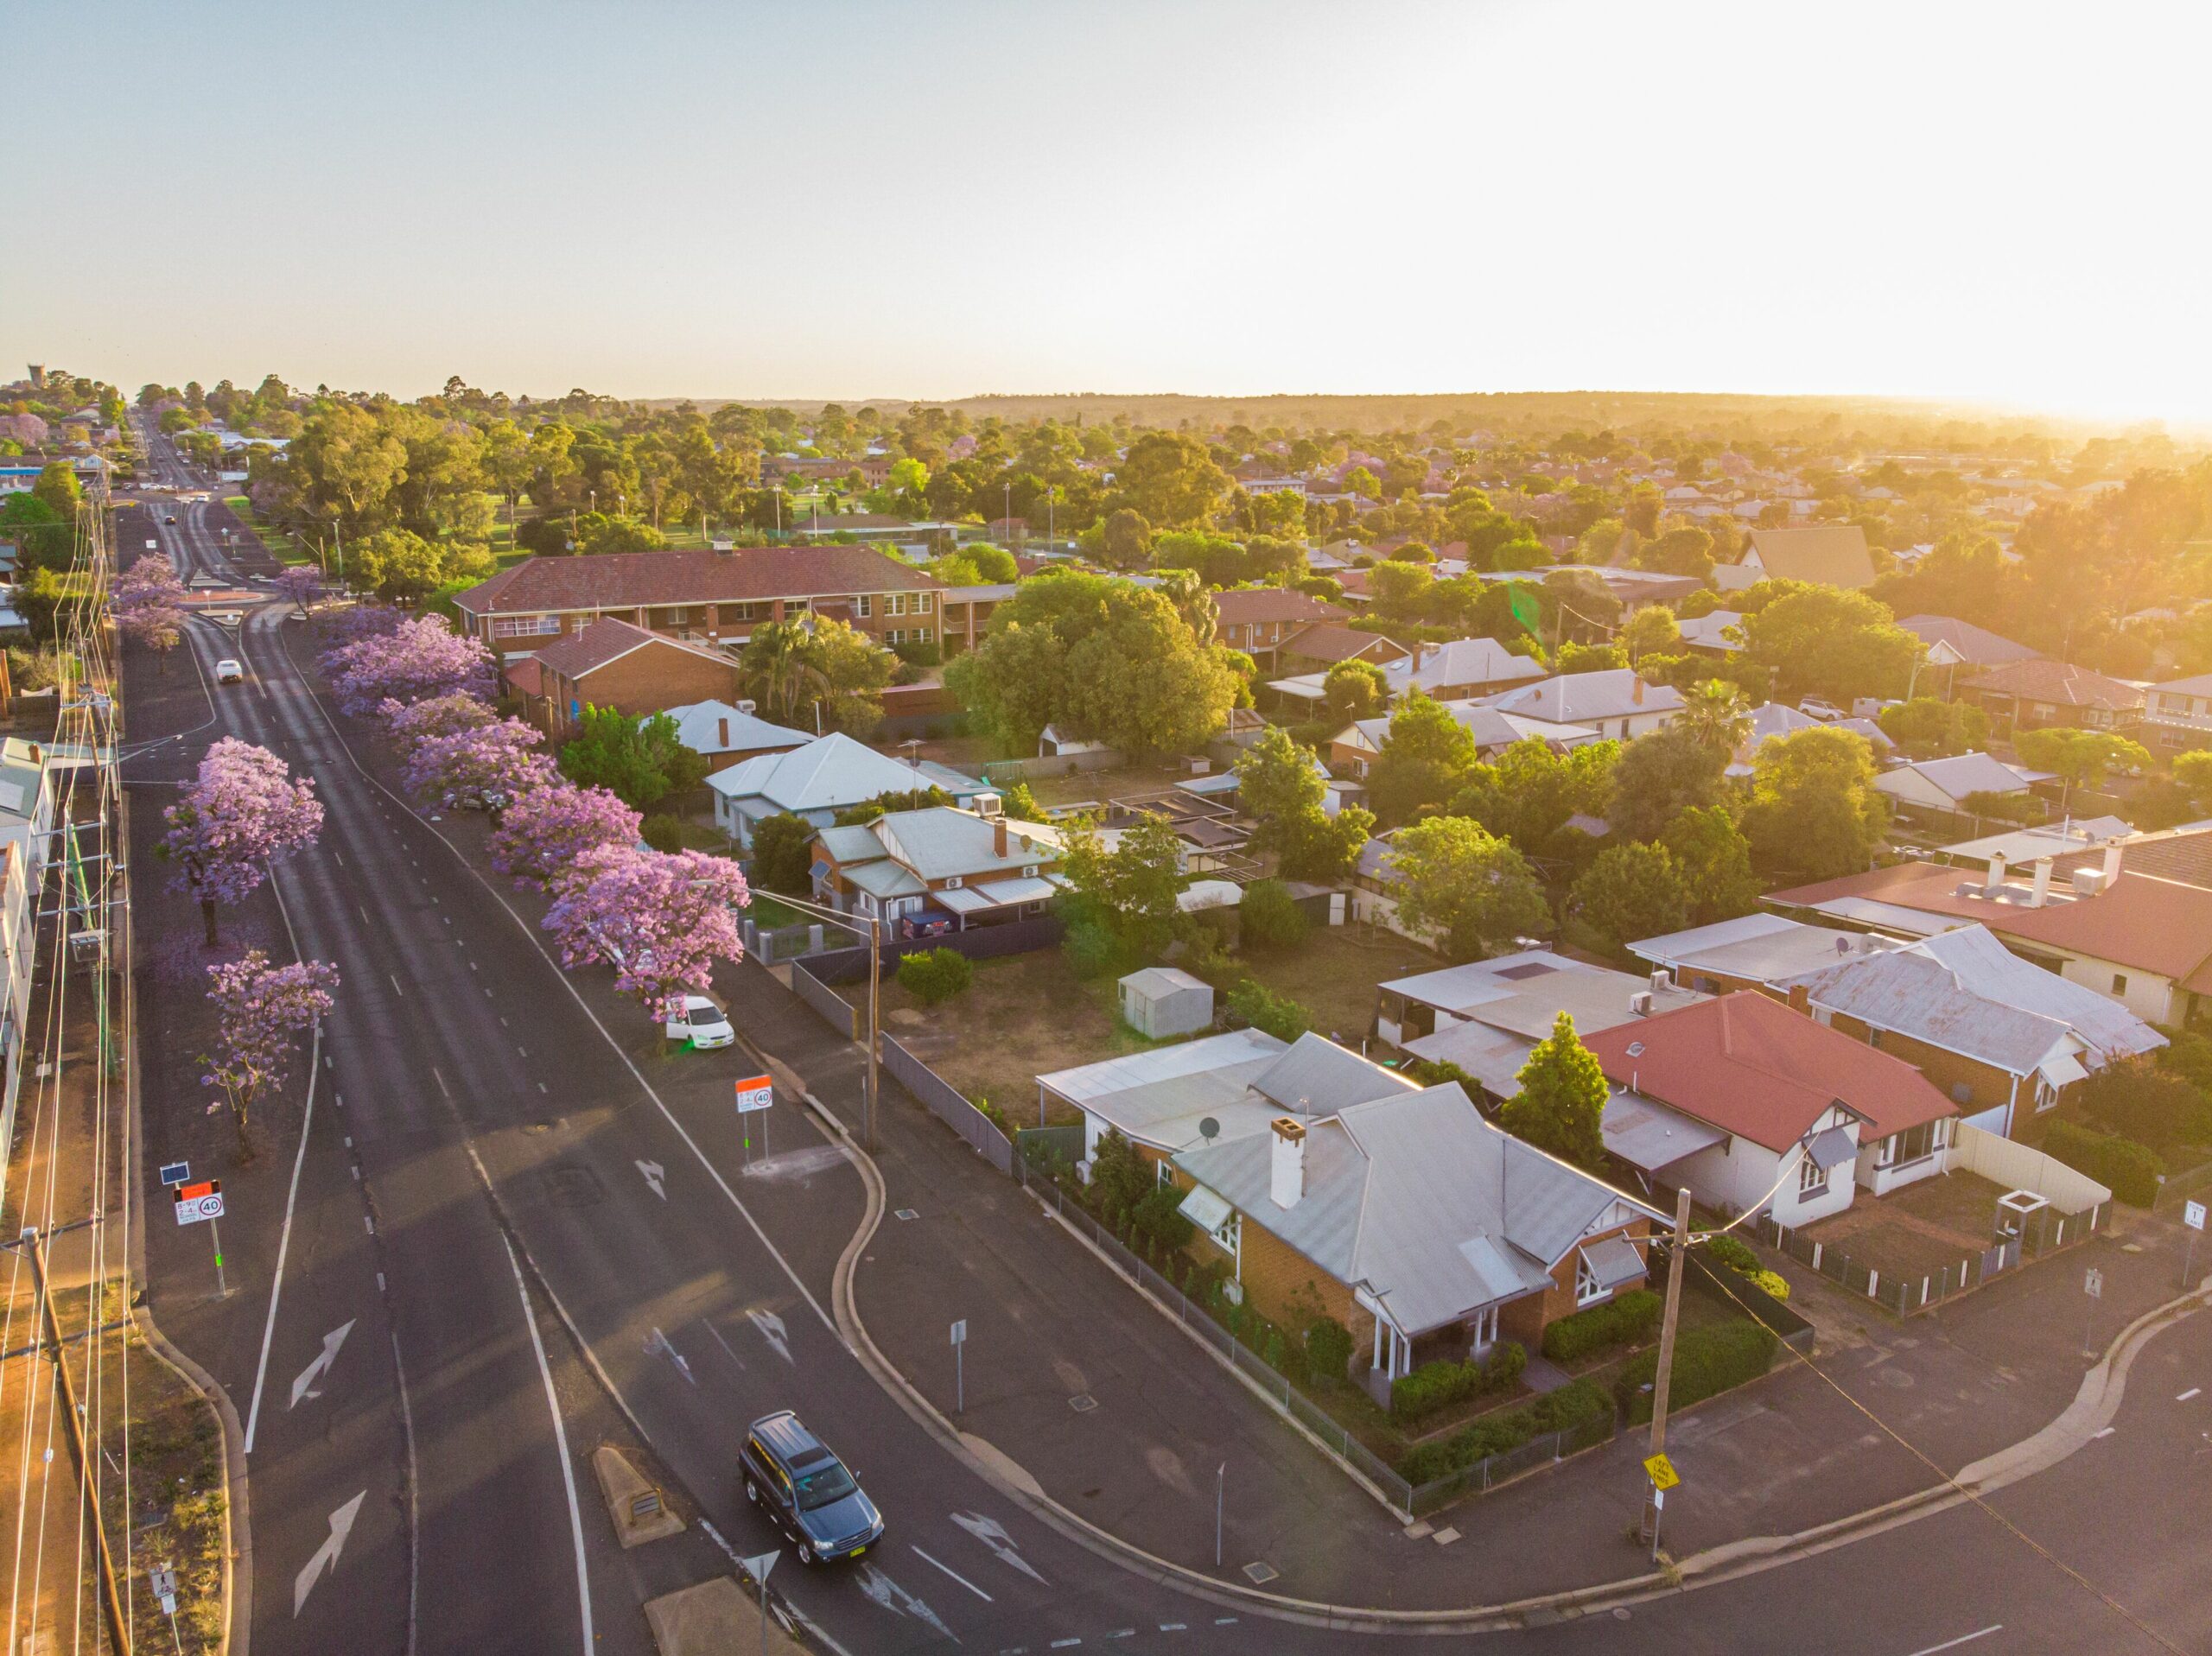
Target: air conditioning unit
<point x="989" y="805"/>
<point x="1662" y="979"/>
<point x="1201" y="767"/>
<point x="2088" y="882"/>
<point x="747" y="706"/>
<point x="1640" y="1003"/>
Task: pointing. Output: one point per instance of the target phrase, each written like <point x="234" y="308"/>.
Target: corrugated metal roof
<point x="829" y="773"/>
<point x="1650" y="1136"/>
<point x="1585" y="698"/>
<point x="1615" y="1262"/>
<point x="699" y="726"/>
<point x="1769" y="948"/>
<point x="1982" y="964"/>
<point x="1315" y="1077"/>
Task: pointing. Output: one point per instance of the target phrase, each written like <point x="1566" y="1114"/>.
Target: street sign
<point x="175" y="1173"/>
<point x="755" y="1092"/>
<point x="197" y="1202"/>
<point x="163" y="1580"/>
<point x="2192" y="1214"/>
<point x="1663" y="1475"/>
<point x="960" y="1332"/>
<point x="759" y="1566"/>
<point x="2094" y="1283"/>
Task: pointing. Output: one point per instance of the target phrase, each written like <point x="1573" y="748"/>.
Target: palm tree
<point x="1715" y="715"/>
<point x="780" y="667"/>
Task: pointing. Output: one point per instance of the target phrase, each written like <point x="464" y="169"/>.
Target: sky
<point x="1998" y="204"/>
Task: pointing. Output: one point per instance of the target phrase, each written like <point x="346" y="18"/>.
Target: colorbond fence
<point x="945" y="1102"/>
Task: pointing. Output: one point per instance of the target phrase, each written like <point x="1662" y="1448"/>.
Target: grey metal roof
<point x="1966" y="773"/>
<point x="1159" y="1096"/>
<point x="884" y="878"/>
<point x="1769" y="948"/>
<point x="1581" y="698"/>
<point x="855" y="844"/>
<point x="1832" y="1147"/>
<point x="1982" y="964"/>
<point x="939" y="842"/>
<point x="1524" y="992"/>
<point x="1614" y="1261"/>
<point x="1646" y="1133"/>
<point x="699" y="726"/>
<point x="832" y="773"/>
<point x="1153" y="982"/>
<point x="1912" y="994"/>
<point x="1315" y="1077"/>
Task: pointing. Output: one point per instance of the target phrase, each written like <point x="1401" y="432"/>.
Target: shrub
<point x="2189" y="1055"/>
<point x="1503" y="1368"/>
<point x="1707" y="1362"/>
<point x="1576" y="1403"/>
<point x="1728" y="1251"/>
<point x="1093" y="949"/>
<point x="1156" y="1218"/>
<point x="2130" y="1170"/>
<point x="1620" y="1321"/>
<point x="1259" y="1006"/>
<point x="1328" y="1347"/>
<point x="935" y="974"/>
<point x="1269" y="917"/>
<point x="2142" y="1100"/>
<point x="1439" y="1385"/>
<point x="662" y="832"/>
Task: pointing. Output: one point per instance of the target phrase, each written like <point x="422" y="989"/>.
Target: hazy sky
<point x="933" y="200"/>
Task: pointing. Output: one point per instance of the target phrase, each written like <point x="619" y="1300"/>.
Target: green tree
<point x="797" y="668"/>
<point x="1714" y="860"/>
<point x="1427" y="754"/>
<point x="2193" y="771"/>
<point x="1268" y="916"/>
<point x="1528" y="793"/>
<point x="1837" y="643"/>
<point x="1926" y="727"/>
<point x="1127" y="540"/>
<point x="57" y="488"/>
<point x="1714" y="715"/>
<point x="1454" y="877"/>
<point x="783" y="853"/>
<point x="1130" y="890"/>
<point x="1281" y="788"/>
<point x="1652" y="629"/>
<point x="1678" y="552"/>
<point x="1658" y="778"/>
<point x="352" y="461"/>
<point x="1172" y="480"/>
<point x="398" y="563"/>
<point x="2082" y="758"/>
<point x="1561" y="1105"/>
<point x="1631" y="891"/>
<point x="1353" y="690"/>
<point x="638" y="760"/>
<point x="1814" y="808"/>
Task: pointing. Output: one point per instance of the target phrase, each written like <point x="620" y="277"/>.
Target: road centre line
<point x="954" y="1574"/>
<point x="2189" y="1393"/>
<point x="1963" y="1639"/>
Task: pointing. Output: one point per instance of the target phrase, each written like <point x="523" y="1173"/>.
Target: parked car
<point x="702" y="1024"/>
<point x="229" y="672"/>
<point x="171" y="518"/>
<point x="1820" y="708"/>
<point x="806" y="1492"/>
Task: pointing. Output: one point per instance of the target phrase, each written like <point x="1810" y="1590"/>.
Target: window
<point x="861" y="606"/>
<point x="1812" y="1179"/>
<point x="1912" y="1144"/>
<point x="921" y="635"/>
<point x="676" y="615"/>
<point x="896" y="635"/>
<point x="922" y="603"/>
<point x="2119" y="983"/>
<point x="1231" y="1232"/>
<point x="1587" y="1289"/>
<point x="527" y="626"/>
<point x="894" y="604"/>
<point x="1166" y="1172"/>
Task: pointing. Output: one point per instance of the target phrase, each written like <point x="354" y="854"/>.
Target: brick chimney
<point x="998" y="836"/>
<point x="1635" y="691"/>
<point x="1287" y="1182"/>
<point x="1801" y="999"/>
<point x="723" y="725"/>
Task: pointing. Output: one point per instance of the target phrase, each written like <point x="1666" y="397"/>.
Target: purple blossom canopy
<point x="409" y="723"/>
<point x="243" y="812"/>
<point x="481" y="768"/>
<point x="260" y="1008"/>
<point x="661" y="919"/>
<point x="548" y="828"/>
<point x="415" y="661"/>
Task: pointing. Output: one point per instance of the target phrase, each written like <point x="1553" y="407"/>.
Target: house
<point x="2178" y="715"/>
<point x="2141" y="939"/>
<point x="1425" y="1231"/>
<point x="611" y="664"/>
<point x="938" y="869"/>
<point x="815" y="782"/>
<point x="1164" y="1001"/>
<point x="874" y="470"/>
<point x="726" y="733"/>
<point x="1773" y="719"/>
<point x="2031" y="694"/>
<point x="1718" y="632"/>
<point x="1829" y="555"/>
<point x="2181" y="854"/>
<point x="1322" y="645"/>
<point x="1446" y="672"/>
<point x="1954" y="643"/>
<point x="966" y="612"/>
<point x="1769" y="1111"/>
<point x="714" y="598"/>
<point x="1945" y="785"/>
<point x="30" y="777"/>
<point x="1613" y="702"/>
<point x="1355" y="748"/>
<point x="1753" y="951"/>
<point x="1256" y="619"/>
<point x="1486" y="1017"/>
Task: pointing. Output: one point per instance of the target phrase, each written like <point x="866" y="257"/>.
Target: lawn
<point x="1333" y="975"/>
<point x="279" y="545"/>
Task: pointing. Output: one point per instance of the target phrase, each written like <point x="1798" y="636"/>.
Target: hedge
<point x="1437" y="1386"/>
<point x="935" y="974"/>
<point x="1620" y="1321"/>
<point x="1576" y="1403"/>
<point x="1707" y="1362"/>
<point x="2130" y="1170"/>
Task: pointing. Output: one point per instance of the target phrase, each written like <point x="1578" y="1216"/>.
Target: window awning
<point x="959" y="899"/>
<point x="1614" y="1262"/>
<point x="2062" y="1069"/>
<point x="1831" y="1148"/>
<point x="1204" y="1209"/>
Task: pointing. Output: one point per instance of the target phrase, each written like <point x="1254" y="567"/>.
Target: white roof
<point x="1584" y="698"/>
<point x="1768" y="949"/>
<point x="1462" y="661"/>
<point x="2052" y="840"/>
<point x="829" y="773"/>
<point x="699" y="727"/>
<point x="1705" y="629"/>
<point x="1962" y="774"/>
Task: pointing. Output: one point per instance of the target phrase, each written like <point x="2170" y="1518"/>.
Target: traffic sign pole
<point x="215" y="1233"/>
<point x="2192" y="1215"/>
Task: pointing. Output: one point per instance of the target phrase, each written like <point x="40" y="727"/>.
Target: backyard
<point x="1919" y="1230"/>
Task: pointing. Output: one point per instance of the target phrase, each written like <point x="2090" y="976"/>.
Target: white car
<point x="229" y="672"/>
<point x="1820" y="708"/>
<point x="702" y="1024"/>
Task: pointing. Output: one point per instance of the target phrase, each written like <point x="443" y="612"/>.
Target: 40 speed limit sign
<point x="197" y="1202"/>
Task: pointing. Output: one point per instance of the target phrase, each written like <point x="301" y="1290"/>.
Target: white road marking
<point x="774" y="1331"/>
<point x="723" y="1344"/>
<point x="1964" y="1638"/>
<point x="954" y="1574"/>
<point x="992" y="1534"/>
<point x="284" y="1236"/>
<point x="1062" y="1644"/>
<point x="660" y="1346"/>
<point x="891" y="1597"/>
<point x="561" y="1443"/>
<point x="655" y="1176"/>
<point x="326" y="1557"/>
<point x="2189" y="1393"/>
<point x="2106" y="1433"/>
<point x="395" y="989"/>
<point x="315" y="1370"/>
<point x="1175" y="1626"/>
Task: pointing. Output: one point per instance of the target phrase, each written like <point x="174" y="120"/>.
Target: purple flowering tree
<point x="351" y="623"/>
<point x="414" y="662"/>
<point x="300" y="585"/>
<point x="548" y="828"/>
<point x="410" y="723"/>
<point x="147" y="600"/>
<point x="244" y="812"/>
<point x="483" y="768"/>
<point x="260" y="1008"/>
<point x="661" y="919"/>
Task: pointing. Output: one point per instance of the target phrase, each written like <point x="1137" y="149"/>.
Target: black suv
<point x="790" y="1475"/>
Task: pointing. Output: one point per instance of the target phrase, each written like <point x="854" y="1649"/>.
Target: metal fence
<point x="945" y="1102"/>
<point x="836" y="1011"/>
<point x="1001" y="772"/>
<point x="1044" y="1146"/>
<point x="1491" y="1471"/>
<point x="2043" y="1232"/>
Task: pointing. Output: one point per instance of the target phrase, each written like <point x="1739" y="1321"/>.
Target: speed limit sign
<point x="197" y="1202"/>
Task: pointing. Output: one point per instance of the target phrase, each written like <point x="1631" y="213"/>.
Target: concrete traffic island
<point x="634" y="1503"/>
<point x="715" y="1619"/>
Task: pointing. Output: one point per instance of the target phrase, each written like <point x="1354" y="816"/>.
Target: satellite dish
<point x="1209" y="1129"/>
<point x="1843" y="942"/>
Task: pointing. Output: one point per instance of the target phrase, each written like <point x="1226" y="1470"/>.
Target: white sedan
<point x="229" y="672"/>
<point x="702" y="1024"/>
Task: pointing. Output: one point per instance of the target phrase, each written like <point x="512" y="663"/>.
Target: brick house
<point x="713" y="598"/>
<point x="1256" y="619"/>
<point x="2031" y="694"/>
<point x="966" y="614"/>
<point x="938" y="869"/>
<point x="875" y="469"/>
<point x="611" y="664"/>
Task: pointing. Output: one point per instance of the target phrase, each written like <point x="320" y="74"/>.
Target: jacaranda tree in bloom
<point x="410" y="723"/>
<point x="416" y="660"/>
<point x="147" y="602"/>
<point x="299" y="586"/>
<point x="548" y="828"/>
<point x="480" y="770"/>
<point x="258" y="1009"/>
<point x="661" y="919"/>
<point x="244" y="812"/>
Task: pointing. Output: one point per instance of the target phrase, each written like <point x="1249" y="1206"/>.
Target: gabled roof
<point x="1461" y="661"/>
<point x="1315" y="1077"/>
<point x="939" y="842"/>
<point x="1705" y="630"/>
<point x="1962" y="774"/>
<point x="700" y="725"/>
<point x="1327" y="641"/>
<point x="829" y="773"/>
<point x="1753" y="1067"/>
<point x="1914" y="995"/>
<point x="2061" y="684"/>
<point x="1832" y="554"/>
<point x="1244" y="605"/>
<point x="1490" y="727"/>
<point x="2200" y="685"/>
<point x="748" y="573"/>
<point x="1977" y="646"/>
<point x="1585" y="698"/>
<point x="606" y="641"/>
<point x="1978" y="962"/>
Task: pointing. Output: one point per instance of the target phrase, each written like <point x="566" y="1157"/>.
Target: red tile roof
<point x="620" y="581"/>
<point x="2060" y="683"/>
<point x="607" y="640"/>
<point x="1245" y="604"/>
<point x="1755" y="1068"/>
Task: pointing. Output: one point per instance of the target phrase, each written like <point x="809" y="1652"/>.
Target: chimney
<point x="1635" y="691"/>
<point x="1994" y="880"/>
<point x="2042" y="894"/>
<point x="1801" y="999"/>
<point x="998" y="836"/>
<point x="2112" y="864"/>
<point x="724" y="725"/>
<point x="1289" y="1181"/>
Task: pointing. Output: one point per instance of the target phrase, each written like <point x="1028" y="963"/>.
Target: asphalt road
<point x="506" y="1181"/>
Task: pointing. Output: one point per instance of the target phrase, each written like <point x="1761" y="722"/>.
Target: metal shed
<point x="1160" y="1001"/>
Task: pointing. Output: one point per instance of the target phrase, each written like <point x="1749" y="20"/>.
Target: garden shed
<point x="1160" y="1001"/>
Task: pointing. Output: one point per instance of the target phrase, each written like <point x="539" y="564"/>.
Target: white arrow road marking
<point x="341" y="1526"/>
<point x="314" y="1371"/>
<point x="772" y="1330"/>
<point x="659" y="1346"/>
<point x="897" y="1599"/>
<point x="992" y="1534"/>
<point x="655" y="1173"/>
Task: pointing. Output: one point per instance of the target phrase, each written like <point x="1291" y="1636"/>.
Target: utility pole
<point x="1677" y="1268"/>
<point x="874" y="1027"/>
<point x="110" y="1600"/>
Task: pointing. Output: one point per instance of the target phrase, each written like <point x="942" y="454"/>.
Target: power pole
<point x="110" y="1600"/>
<point x="1677" y="1268"/>
<point x="874" y="1029"/>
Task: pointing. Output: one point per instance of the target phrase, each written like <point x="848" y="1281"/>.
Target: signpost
<point x="205" y="1201"/>
<point x="163" y="1580"/>
<point x="176" y="1173"/>
<point x="756" y="1095"/>
<point x="2192" y="1214"/>
<point x="758" y="1567"/>
<point x="2092" y="1284"/>
<point x="1663" y="1475"/>
<point x="960" y="1366"/>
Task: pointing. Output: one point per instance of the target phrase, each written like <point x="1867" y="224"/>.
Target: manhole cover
<point x="908" y="1212"/>
<point x="1083" y="1404"/>
<point x="574" y="1187"/>
<point x="1261" y="1573"/>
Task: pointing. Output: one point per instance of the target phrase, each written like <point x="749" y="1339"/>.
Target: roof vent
<point x="1636" y="1049"/>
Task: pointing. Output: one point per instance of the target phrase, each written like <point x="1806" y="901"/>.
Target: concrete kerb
<point x="237" y="1519"/>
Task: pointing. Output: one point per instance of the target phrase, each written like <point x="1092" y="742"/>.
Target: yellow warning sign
<point x="1663" y="1475"/>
